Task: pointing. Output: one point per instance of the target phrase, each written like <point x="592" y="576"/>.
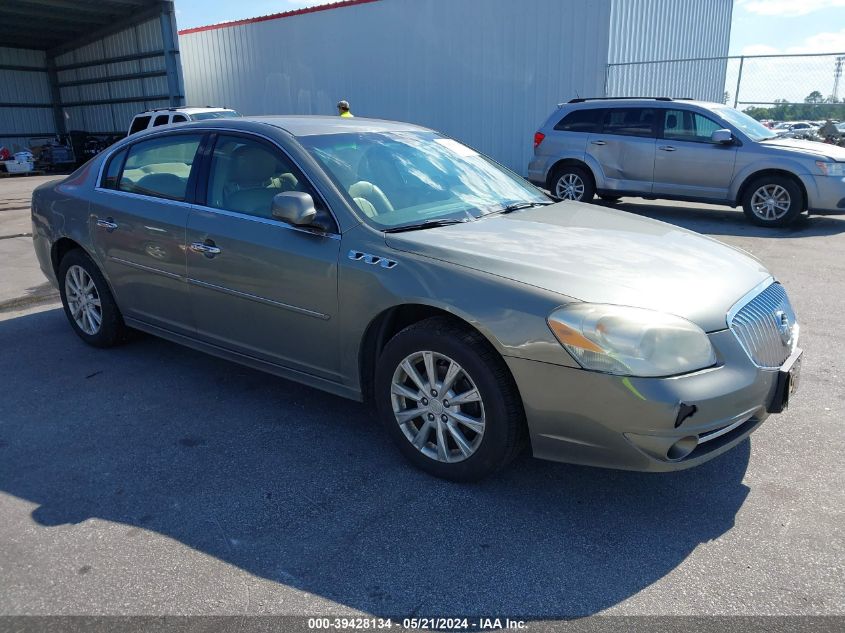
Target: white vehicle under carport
<point x="685" y="150"/>
<point x="169" y="116"/>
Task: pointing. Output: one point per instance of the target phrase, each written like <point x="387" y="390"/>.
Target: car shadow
<point x="719" y="220"/>
<point x="305" y="489"/>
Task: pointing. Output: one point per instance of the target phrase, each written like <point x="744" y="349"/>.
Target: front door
<point x="624" y="149"/>
<point x="259" y="286"/>
<point x="138" y="221"/>
<point x="687" y="163"/>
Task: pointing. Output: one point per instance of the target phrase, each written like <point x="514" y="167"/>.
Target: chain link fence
<point x="782" y="87"/>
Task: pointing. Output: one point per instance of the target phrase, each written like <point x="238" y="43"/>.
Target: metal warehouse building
<point x="84" y="65"/>
<point x="487" y="72"/>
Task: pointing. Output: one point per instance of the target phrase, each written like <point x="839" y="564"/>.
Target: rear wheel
<point x="571" y="182"/>
<point x="448" y="401"/>
<point x="772" y="201"/>
<point x="88" y="302"/>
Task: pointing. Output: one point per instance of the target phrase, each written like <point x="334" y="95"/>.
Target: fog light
<point x="682" y="448"/>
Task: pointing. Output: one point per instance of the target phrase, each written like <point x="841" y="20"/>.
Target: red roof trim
<point x="276" y="16"/>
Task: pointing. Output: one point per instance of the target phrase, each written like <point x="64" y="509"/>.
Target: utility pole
<point x="837" y="73"/>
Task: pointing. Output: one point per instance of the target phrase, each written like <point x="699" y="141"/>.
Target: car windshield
<point x="752" y="128"/>
<point x="408" y="178"/>
<point x="216" y="114"/>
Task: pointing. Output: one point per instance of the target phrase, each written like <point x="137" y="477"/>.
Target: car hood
<point x="814" y="148"/>
<point x="599" y="255"/>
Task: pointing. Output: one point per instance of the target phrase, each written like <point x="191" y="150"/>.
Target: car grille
<point x="759" y="323"/>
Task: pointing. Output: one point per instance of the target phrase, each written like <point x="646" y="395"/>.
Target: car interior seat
<point x="372" y="194"/>
<point x="250" y="171"/>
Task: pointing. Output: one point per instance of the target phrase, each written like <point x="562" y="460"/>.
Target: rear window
<point x="160" y="167"/>
<point x="629" y="121"/>
<point x="139" y="123"/>
<point x="586" y="120"/>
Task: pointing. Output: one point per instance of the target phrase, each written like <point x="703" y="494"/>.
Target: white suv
<point x="167" y="116"/>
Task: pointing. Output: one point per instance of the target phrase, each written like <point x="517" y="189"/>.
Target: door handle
<point x="667" y="148"/>
<point x="206" y="248"/>
<point x="108" y="224"/>
<point x="599" y="142"/>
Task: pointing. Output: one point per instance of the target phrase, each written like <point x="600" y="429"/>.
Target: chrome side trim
<point x="140" y="196"/>
<point x="251" y="297"/>
<point x="147" y="269"/>
<point x="268" y="221"/>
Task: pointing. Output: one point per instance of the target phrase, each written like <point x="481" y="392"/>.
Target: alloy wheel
<point x="83" y="300"/>
<point x="438" y="406"/>
<point x="770" y="202"/>
<point x="570" y="187"/>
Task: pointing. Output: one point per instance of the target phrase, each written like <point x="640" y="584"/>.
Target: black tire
<point x="112" y="330"/>
<point x="569" y="172"/>
<point x="504" y="433"/>
<point x="796" y="200"/>
<point x="611" y="199"/>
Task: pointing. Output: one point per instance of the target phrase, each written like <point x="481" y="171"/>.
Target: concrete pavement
<point x="22" y="282"/>
<point x="151" y="479"/>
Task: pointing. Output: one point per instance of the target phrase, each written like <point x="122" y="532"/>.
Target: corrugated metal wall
<point x="23" y="87"/>
<point x="115" y="116"/>
<point x="485" y="71"/>
<point x="649" y="30"/>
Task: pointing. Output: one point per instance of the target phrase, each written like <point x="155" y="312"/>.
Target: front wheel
<point x="572" y="183"/>
<point x="772" y="201"/>
<point x="448" y="401"/>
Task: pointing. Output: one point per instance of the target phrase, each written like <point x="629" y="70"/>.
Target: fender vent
<point x="373" y="260"/>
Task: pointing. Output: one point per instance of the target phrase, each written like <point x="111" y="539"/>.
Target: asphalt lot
<point x="152" y="479"/>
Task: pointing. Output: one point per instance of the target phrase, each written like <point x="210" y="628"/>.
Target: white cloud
<point x="826" y="42"/>
<point x="787" y="8"/>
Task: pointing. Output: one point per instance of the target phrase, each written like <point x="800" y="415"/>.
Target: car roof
<point x="183" y="110"/>
<point x="309" y="125"/>
<point x="638" y="102"/>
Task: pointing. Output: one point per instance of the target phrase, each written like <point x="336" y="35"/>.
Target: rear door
<point x="624" y="149"/>
<point x="138" y="224"/>
<point x="259" y="286"/>
<point x="687" y="162"/>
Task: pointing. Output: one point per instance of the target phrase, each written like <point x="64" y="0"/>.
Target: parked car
<point x="168" y="116"/>
<point x="684" y="150"/>
<point x="797" y="129"/>
<point x="385" y="262"/>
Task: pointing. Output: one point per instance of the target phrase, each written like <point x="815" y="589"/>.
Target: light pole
<point x="837" y="73"/>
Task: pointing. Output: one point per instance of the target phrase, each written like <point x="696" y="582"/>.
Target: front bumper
<point x="825" y="194"/>
<point x="585" y="417"/>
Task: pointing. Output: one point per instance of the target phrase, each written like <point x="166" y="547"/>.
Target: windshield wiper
<point x="516" y="206"/>
<point x="428" y="224"/>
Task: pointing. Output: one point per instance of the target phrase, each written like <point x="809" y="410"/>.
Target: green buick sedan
<point x="388" y="263"/>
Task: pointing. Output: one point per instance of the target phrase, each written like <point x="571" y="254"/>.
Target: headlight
<point x="831" y="169"/>
<point x="631" y="341"/>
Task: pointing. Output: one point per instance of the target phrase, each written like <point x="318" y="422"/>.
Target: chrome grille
<point x="758" y="324"/>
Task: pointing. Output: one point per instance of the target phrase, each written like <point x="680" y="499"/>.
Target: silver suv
<point x="684" y="150"/>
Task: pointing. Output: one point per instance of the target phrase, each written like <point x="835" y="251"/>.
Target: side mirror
<point x="294" y="207"/>
<point x="723" y="137"/>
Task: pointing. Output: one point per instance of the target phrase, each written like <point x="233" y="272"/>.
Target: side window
<point x="246" y="174"/>
<point x="179" y="118"/>
<point x="629" y="121"/>
<point x="112" y="174"/>
<point x="587" y="120"/>
<point x="161" y="119"/>
<point x="161" y="166"/>
<point x="139" y="123"/>
<point x="684" y="125"/>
